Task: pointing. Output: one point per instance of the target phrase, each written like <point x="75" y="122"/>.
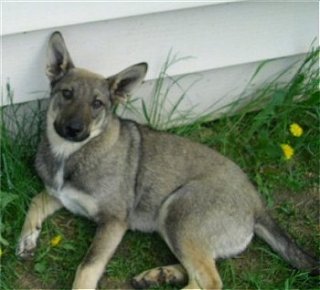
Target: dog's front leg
<point x="42" y="205"/>
<point x="105" y="242"/>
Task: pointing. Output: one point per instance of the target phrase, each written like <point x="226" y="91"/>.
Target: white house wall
<point x="226" y="40"/>
<point x="71" y="13"/>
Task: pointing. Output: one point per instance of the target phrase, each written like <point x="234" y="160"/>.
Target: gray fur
<point x="127" y="176"/>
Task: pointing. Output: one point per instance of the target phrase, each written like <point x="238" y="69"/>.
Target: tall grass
<point x="159" y="111"/>
<point x="20" y="133"/>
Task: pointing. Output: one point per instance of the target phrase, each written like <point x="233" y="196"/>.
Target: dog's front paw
<point x="27" y="245"/>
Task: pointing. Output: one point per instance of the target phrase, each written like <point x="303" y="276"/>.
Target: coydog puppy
<point x="123" y="175"/>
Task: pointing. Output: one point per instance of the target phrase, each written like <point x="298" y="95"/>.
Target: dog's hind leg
<point x="200" y="266"/>
<point x="174" y="275"/>
<point x="42" y="205"/>
<point x="203" y="275"/>
<point x="185" y="223"/>
<point x="104" y="244"/>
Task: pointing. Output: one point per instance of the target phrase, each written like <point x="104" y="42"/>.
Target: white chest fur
<point x="75" y="200"/>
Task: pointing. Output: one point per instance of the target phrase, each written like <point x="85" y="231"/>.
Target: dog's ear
<point x="123" y="83"/>
<point x="58" y="58"/>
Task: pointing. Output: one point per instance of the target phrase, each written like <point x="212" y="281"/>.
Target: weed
<point x="160" y="112"/>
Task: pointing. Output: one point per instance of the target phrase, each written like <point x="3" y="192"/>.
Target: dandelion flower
<point x="287" y="150"/>
<point x="296" y="130"/>
<point x="55" y="241"/>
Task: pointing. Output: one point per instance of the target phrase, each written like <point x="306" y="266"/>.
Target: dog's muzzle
<point x="74" y="130"/>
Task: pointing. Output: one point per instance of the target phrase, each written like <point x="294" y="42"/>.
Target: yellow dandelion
<point x="287" y="150"/>
<point x="296" y="130"/>
<point x="55" y="241"/>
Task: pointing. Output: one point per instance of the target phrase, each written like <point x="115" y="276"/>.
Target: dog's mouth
<point x="73" y="131"/>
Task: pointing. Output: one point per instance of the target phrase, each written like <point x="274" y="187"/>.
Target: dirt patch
<point x="28" y="279"/>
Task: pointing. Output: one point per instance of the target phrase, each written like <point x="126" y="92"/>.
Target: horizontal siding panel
<point x="57" y="14"/>
<point x="216" y="36"/>
<point x="213" y="91"/>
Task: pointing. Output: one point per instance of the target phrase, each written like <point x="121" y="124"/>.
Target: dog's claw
<point x="27" y="246"/>
<point x="26" y="255"/>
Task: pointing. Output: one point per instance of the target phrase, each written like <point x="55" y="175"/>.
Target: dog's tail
<point x="267" y="229"/>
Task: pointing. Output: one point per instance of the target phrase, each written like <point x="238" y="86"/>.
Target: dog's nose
<point x="74" y="128"/>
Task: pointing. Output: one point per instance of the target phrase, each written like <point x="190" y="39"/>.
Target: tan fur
<point x="42" y="205"/>
<point x="102" y="248"/>
<point x="200" y="266"/>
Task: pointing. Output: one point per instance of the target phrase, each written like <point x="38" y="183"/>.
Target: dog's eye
<point x="96" y="104"/>
<point x="67" y="94"/>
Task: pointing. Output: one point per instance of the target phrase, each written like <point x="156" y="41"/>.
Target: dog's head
<point x="82" y="101"/>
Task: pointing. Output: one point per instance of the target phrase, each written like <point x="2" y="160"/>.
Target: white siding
<point x="57" y="14"/>
<point x="222" y="39"/>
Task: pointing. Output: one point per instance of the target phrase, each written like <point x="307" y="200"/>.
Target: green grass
<point x="252" y="138"/>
